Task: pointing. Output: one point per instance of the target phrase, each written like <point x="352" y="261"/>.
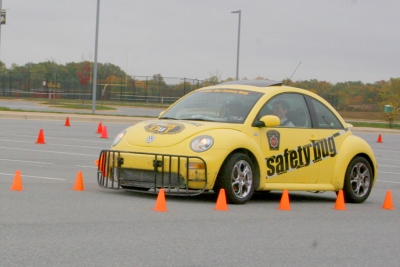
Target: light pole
<point x="95" y="59"/>
<point x="1" y="3"/>
<point x="238" y="45"/>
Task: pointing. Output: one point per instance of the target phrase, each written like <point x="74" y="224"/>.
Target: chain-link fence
<point x="157" y="89"/>
<point x="123" y="88"/>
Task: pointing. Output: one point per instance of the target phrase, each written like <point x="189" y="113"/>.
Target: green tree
<point x="391" y="99"/>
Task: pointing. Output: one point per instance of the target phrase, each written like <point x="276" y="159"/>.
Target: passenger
<point x="280" y="109"/>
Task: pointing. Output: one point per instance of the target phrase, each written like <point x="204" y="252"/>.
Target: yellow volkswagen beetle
<point x="242" y="136"/>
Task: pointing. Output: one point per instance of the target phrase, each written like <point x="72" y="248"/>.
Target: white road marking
<point x="385" y="150"/>
<point x="53" y="144"/>
<point x="389" y="172"/>
<point x="48" y="151"/>
<point x="391" y="166"/>
<point x="48" y="163"/>
<point x="50" y="137"/>
<point x="28" y="161"/>
<point x="388" y="182"/>
<point x="389" y="159"/>
<point x="31" y="176"/>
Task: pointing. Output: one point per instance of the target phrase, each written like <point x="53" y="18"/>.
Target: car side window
<point x="325" y="117"/>
<point x="290" y="108"/>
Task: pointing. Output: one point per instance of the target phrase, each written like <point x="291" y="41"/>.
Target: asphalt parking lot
<point x="49" y="224"/>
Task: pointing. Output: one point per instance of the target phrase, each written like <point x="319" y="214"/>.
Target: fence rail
<point x="127" y="88"/>
<point x="149" y="89"/>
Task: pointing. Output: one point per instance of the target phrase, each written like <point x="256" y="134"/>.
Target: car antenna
<point x="293" y="73"/>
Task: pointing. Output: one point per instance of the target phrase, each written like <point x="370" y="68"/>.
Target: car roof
<point x="257" y="83"/>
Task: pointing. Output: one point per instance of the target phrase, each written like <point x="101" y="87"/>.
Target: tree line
<point x="349" y="95"/>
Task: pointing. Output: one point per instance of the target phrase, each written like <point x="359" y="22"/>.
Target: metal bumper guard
<point x="176" y="174"/>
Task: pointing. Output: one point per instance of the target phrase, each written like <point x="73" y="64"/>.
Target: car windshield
<point x="222" y="105"/>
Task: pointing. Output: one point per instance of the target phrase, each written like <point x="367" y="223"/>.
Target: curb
<point x="133" y="120"/>
<point x="71" y="116"/>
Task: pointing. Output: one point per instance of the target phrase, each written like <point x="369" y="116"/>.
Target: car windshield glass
<point x="222" y="105"/>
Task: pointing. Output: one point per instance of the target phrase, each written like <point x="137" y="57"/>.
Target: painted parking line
<point x="48" y="151"/>
<point x="46" y="163"/>
<point x="389" y="172"/>
<point x="53" y="144"/>
<point x="391" y="182"/>
<point x="390" y="166"/>
<point x="32" y="176"/>
<point x="99" y="140"/>
<point x="385" y="150"/>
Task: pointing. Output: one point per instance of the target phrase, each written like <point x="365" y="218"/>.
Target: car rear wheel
<point x="358" y="180"/>
<point x="237" y="178"/>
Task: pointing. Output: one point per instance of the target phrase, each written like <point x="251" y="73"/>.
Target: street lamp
<point x="238" y="45"/>
<point x="95" y="58"/>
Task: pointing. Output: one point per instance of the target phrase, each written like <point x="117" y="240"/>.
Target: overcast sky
<point x="335" y="40"/>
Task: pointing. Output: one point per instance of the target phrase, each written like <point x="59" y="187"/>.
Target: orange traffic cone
<point x="79" y="182"/>
<point x="379" y="139"/>
<point x="161" y="205"/>
<point x="40" y="139"/>
<point x="340" y="205"/>
<point x="284" y="204"/>
<point x="388" y="203"/>
<point x="100" y="128"/>
<point x="67" y="122"/>
<point x="221" y="201"/>
<point x="17" y="183"/>
<point x="104" y="132"/>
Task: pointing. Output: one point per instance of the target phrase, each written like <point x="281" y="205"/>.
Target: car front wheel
<point x="237" y="178"/>
<point x="358" y="180"/>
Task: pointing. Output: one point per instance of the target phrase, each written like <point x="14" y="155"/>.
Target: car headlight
<point x="118" y="138"/>
<point x="201" y="143"/>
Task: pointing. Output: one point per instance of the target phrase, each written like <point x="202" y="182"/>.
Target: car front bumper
<point x="149" y="172"/>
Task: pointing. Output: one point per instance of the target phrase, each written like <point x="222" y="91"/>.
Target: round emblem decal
<point x="164" y="127"/>
<point x="150" y="139"/>
<point x="273" y="139"/>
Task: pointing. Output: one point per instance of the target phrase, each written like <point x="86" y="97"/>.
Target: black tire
<point x="358" y="180"/>
<point x="216" y="187"/>
<point x="237" y="178"/>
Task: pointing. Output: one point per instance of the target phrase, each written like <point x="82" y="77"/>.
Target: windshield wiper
<point x="167" y="118"/>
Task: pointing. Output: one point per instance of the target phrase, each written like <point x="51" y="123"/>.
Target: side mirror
<point x="268" y="121"/>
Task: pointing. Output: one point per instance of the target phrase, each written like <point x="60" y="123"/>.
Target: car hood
<point x="164" y="133"/>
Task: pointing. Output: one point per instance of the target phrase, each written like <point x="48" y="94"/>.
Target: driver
<point x="280" y="109"/>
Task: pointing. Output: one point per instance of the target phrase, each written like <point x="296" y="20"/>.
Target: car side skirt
<point x="299" y="187"/>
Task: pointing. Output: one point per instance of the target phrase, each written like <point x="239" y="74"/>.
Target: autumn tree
<point x="84" y="75"/>
<point x="391" y="100"/>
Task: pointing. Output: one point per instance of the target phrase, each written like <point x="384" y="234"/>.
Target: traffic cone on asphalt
<point x="67" y="122"/>
<point x="161" y="205"/>
<point x="221" y="201"/>
<point x="388" y="203"/>
<point x="40" y="139"/>
<point x="104" y="132"/>
<point x="340" y="205"/>
<point x="17" y="183"/>
<point x="379" y="139"/>
<point x="284" y="204"/>
<point x="79" y="182"/>
<point x="100" y="128"/>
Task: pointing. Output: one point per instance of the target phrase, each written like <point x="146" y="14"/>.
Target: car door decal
<point x="273" y="139"/>
<point x="302" y="156"/>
